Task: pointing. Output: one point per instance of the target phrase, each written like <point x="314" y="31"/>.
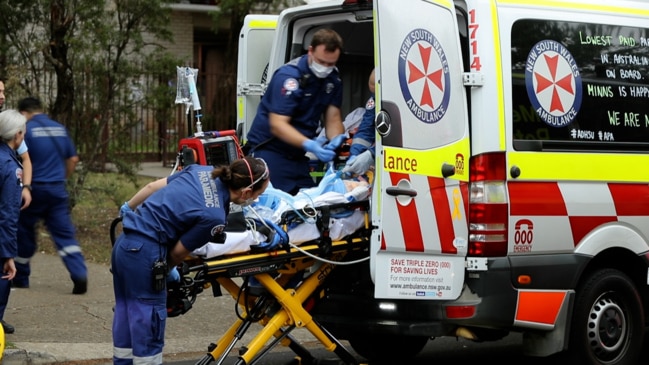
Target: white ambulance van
<point x="511" y="192"/>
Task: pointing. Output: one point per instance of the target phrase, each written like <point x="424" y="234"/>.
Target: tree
<point x="234" y="12"/>
<point x="95" y="50"/>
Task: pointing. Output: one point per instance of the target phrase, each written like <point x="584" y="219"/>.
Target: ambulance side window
<point x="463" y="24"/>
<point x="579" y="86"/>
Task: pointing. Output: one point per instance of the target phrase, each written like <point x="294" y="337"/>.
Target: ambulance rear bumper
<point x="348" y="315"/>
<point x="492" y="294"/>
<point x="347" y="312"/>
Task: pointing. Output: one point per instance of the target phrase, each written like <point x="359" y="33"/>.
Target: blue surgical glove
<point x="173" y="276"/>
<point x="277" y="238"/>
<point x="358" y="165"/>
<point x="336" y="142"/>
<point x="124" y="208"/>
<point x="320" y="152"/>
<point x="322" y="140"/>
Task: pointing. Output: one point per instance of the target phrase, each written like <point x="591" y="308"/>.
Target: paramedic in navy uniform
<point x="361" y="152"/>
<point x="177" y="215"/>
<point x="54" y="158"/>
<point x="12" y="132"/>
<point x="289" y="114"/>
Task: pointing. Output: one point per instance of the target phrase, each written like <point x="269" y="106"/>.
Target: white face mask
<point x="319" y="70"/>
<point x="247" y="202"/>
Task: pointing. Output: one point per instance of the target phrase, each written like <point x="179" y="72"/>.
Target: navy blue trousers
<point x="140" y="311"/>
<point x="50" y="204"/>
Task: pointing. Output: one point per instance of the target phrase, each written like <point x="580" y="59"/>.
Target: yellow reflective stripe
<point x="582" y="6"/>
<point x="263" y="24"/>
<point x="498" y="65"/>
<point x="429" y="162"/>
<point x="240" y="107"/>
<point x="444" y="3"/>
<point x="558" y="166"/>
<point x="376" y="198"/>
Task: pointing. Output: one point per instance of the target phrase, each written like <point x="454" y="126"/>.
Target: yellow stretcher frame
<point x="3" y="343"/>
<point x="273" y="270"/>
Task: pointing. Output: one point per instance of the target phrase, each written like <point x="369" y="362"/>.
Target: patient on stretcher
<point x="245" y="235"/>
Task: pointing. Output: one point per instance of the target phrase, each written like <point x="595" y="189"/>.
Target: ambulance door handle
<point x="448" y="169"/>
<point x="396" y="191"/>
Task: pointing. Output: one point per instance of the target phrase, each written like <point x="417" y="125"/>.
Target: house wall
<point x="182" y="28"/>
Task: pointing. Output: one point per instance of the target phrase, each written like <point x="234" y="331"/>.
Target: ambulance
<point x="511" y="190"/>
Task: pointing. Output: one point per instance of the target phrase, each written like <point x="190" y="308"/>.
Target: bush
<point x="96" y="208"/>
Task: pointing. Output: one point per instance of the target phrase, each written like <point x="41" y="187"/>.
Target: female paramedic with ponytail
<point x="177" y="214"/>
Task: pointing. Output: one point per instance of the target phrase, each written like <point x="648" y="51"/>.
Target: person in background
<point x="287" y="120"/>
<point x="173" y="216"/>
<point x="12" y="132"/>
<point x="24" y="158"/>
<point x="361" y="152"/>
<point x="54" y="158"/>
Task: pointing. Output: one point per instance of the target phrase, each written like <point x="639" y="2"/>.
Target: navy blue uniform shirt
<point x="296" y="92"/>
<point x="49" y="148"/>
<point x="10" y="200"/>
<point x="191" y="208"/>
<point x="365" y="134"/>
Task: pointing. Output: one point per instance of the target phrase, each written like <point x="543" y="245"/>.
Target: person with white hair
<point x="12" y="132"/>
<point x="24" y="158"/>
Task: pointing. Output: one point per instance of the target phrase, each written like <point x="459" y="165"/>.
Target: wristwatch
<point x="28" y="187"/>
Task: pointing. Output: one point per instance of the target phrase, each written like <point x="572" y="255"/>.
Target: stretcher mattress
<point x="300" y="214"/>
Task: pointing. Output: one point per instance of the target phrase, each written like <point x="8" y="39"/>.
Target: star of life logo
<point x="289" y="86"/>
<point x="553" y="83"/>
<point x="424" y="76"/>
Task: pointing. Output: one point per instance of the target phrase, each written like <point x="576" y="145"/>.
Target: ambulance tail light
<point x="460" y="311"/>
<point x="488" y="205"/>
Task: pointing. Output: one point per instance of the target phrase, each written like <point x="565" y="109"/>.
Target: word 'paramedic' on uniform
<point x="172" y="217"/>
<point x="288" y="117"/>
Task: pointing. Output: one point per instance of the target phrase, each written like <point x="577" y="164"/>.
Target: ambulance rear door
<point x="420" y="194"/>
<point x="255" y="41"/>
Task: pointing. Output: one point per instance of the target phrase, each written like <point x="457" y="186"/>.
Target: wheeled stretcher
<point x="289" y="282"/>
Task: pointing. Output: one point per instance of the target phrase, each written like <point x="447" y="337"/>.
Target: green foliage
<point x="97" y="52"/>
<point x="98" y="205"/>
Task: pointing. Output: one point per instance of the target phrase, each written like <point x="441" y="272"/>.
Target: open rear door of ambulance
<point x="255" y="41"/>
<point x="420" y="194"/>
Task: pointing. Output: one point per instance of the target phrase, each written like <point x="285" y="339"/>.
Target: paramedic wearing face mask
<point x="161" y="224"/>
<point x="287" y="121"/>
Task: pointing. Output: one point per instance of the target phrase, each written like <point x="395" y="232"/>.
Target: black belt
<point x="48" y="182"/>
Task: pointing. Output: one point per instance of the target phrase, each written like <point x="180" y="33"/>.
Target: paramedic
<point x="288" y="116"/>
<point x="361" y="152"/>
<point x="54" y="159"/>
<point x="177" y="215"/>
<point x="24" y="159"/>
<point x="12" y="132"/>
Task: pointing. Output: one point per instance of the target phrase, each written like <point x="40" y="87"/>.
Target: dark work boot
<point x="80" y="286"/>
<point x="7" y="327"/>
<point x="20" y="283"/>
